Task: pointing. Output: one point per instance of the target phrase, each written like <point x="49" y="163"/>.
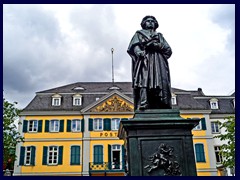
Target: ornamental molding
<point x="113" y="104"/>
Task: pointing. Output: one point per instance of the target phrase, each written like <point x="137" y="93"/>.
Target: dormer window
<point x="214" y="103"/>
<point x="174" y="99"/>
<point x="77" y="100"/>
<point x="78" y="88"/>
<point x="114" y="88"/>
<point x="56" y="100"/>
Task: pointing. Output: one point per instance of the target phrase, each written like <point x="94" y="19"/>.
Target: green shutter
<point x="107" y="124"/>
<point x="39" y="125"/>
<point x="79" y="155"/>
<point x="75" y="155"/>
<point x="46" y="125"/>
<point x="22" y="155"/>
<point x="98" y="154"/>
<point x="82" y="125"/>
<point x="109" y="156"/>
<point x="45" y="153"/>
<point x="60" y="154"/>
<point x="123" y="157"/>
<point x="199" y="150"/>
<point x="33" y="154"/>
<point x="61" y="129"/>
<point x="25" y="126"/>
<point x="72" y="160"/>
<point x="90" y="125"/>
<point x="69" y="124"/>
<point x="203" y="121"/>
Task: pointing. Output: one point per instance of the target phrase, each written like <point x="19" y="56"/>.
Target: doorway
<point x="116" y="157"/>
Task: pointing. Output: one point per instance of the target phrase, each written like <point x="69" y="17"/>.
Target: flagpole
<point x="112" y="67"/>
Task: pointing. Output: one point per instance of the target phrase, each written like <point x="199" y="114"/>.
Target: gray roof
<point x="89" y="91"/>
<point x="91" y="87"/>
<point x="186" y="99"/>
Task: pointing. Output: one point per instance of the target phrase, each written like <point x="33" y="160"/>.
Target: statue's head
<point x="143" y="23"/>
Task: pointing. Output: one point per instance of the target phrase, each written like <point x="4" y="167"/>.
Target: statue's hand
<point x="157" y="46"/>
<point x="140" y="53"/>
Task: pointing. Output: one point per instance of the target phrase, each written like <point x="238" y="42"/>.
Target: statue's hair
<point x="143" y="23"/>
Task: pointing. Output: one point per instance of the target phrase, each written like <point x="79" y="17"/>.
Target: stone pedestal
<point x="159" y="143"/>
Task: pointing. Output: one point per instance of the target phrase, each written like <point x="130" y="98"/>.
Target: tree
<point x="228" y="149"/>
<point x="10" y="134"/>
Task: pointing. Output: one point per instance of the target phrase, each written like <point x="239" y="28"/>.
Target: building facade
<point x="72" y="130"/>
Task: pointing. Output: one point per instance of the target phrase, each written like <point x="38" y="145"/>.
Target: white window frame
<point x="174" y="99"/>
<point x="213" y="127"/>
<point x="56" y="100"/>
<point x="117" y="147"/>
<point x="55" y="124"/>
<point x="217" y="150"/>
<point x="78" y="123"/>
<point x="97" y="123"/>
<point x="31" y="125"/>
<point x="51" y="157"/>
<point x="115" y="123"/>
<point x="77" y="100"/>
<point x="28" y="154"/>
<point x="198" y="127"/>
<point x="214" y="103"/>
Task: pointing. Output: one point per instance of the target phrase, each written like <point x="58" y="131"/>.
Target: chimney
<point x="200" y="91"/>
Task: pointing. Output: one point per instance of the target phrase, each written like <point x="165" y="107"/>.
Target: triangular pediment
<point x="113" y="102"/>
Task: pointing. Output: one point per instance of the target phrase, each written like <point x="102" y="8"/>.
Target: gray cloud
<point x="37" y="56"/>
<point x="224" y="16"/>
<point x="30" y="34"/>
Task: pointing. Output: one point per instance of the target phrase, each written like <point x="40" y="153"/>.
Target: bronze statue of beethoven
<point x="150" y="72"/>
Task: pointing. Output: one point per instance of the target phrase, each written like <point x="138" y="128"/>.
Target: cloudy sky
<point x="46" y="46"/>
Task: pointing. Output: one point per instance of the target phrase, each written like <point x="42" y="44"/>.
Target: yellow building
<point x="72" y="130"/>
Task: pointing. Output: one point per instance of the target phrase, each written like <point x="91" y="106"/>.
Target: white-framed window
<point x="115" y="123"/>
<point x="76" y="125"/>
<point x="54" y="126"/>
<point x="53" y="155"/>
<point x="198" y="127"/>
<point x="77" y="100"/>
<point x="116" y="147"/>
<point x="32" y="126"/>
<point x="217" y="154"/>
<point x="214" y="103"/>
<point x="28" y="155"/>
<point x="98" y="124"/>
<point x="56" y="100"/>
<point x="215" y="127"/>
<point x="174" y="99"/>
<point x="116" y="157"/>
<point x="78" y="88"/>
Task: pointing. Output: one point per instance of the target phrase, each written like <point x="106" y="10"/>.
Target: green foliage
<point x="10" y="134"/>
<point x="228" y="149"/>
